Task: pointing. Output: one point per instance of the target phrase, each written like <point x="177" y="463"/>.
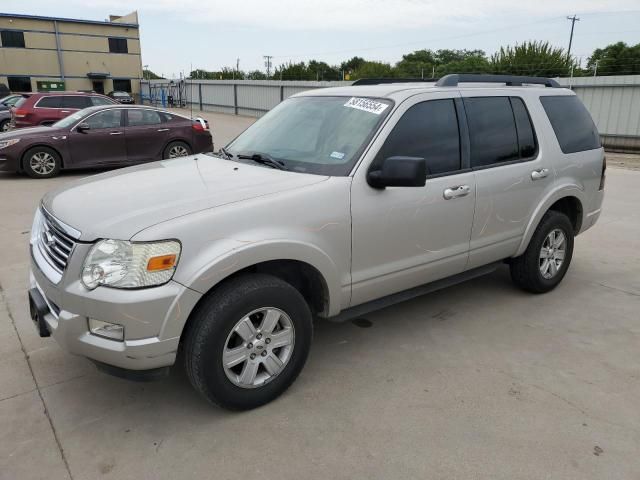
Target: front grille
<point x="54" y="244"/>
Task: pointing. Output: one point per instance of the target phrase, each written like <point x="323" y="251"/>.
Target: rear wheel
<point x="248" y="341"/>
<point x="41" y="162"/>
<point x="4" y="125"/>
<point x="176" y="149"/>
<point x="546" y="261"/>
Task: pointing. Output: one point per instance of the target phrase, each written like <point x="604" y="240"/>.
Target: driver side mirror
<point x="399" y="172"/>
<point x="83" y="127"/>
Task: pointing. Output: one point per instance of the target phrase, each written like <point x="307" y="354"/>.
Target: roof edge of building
<point x="68" y="20"/>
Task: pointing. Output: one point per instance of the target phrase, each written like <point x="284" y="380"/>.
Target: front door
<point x="98" y="86"/>
<point x="102" y="144"/>
<point x="408" y="236"/>
<point x="512" y="174"/>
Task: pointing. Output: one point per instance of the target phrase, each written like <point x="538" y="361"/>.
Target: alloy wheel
<point x="552" y="253"/>
<point x="42" y="163"/>
<point x="258" y="348"/>
<point x="178" y="151"/>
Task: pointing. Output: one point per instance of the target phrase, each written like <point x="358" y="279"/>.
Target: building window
<point x="121" y="85"/>
<point x="19" y="84"/>
<point x="12" y="39"/>
<point x="118" y="45"/>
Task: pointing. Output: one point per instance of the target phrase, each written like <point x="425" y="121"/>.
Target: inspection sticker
<point x="367" y="105"/>
<point x="337" y="155"/>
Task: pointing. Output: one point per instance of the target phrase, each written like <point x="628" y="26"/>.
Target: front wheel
<point x="176" y="149"/>
<point x="248" y="341"/>
<point x="546" y="260"/>
<point x="41" y="162"/>
<point x="4" y="126"/>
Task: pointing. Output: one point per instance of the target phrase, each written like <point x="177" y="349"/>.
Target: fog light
<point x="112" y="331"/>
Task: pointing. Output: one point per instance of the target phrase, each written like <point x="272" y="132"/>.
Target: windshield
<point x="321" y="135"/>
<point x="70" y="120"/>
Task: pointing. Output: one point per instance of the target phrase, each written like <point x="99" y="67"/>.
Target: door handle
<point x="163" y="130"/>
<point x="115" y="133"/>
<point x="539" y="174"/>
<point x="455" y="192"/>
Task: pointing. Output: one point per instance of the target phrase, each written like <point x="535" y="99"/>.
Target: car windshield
<point x="70" y="120"/>
<point x="321" y="135"/>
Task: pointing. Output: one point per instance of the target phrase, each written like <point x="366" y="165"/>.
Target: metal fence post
<point x="199" y="96"/>
<point x="235" y="98"/>
<point x="281" y="92"/>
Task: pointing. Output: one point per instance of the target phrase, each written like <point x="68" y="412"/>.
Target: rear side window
<point x="526" y="136"/>
<point x="77" y="102"/>
<point x="572" y="123"/>
<point x="49" y="102"/>
<point x="428" y="130"/>
<point x="492" y="130"/>
<point x="143" y="117"/>
<point x="97" y="101"/>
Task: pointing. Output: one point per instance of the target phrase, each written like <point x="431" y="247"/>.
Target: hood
<point x="30" y="132"/>
<point x="119" y="204"/>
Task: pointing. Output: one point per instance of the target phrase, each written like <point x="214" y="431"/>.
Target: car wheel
<point x="41" y="162"/>
<point x="546" y="261"/>
<point x="248" y="341"/>
<point x="176" y="149"/>
<point x="4" y="126"/>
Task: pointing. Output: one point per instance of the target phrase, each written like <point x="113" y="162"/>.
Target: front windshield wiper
<point x="227" y="154"/>
<point x="263" y="158"/>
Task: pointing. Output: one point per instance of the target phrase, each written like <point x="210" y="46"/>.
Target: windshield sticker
<point x="337" y="155"/>
<point x="366" y="105"/>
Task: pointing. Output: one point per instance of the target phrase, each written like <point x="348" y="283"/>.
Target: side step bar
<point x="405" y="295"/>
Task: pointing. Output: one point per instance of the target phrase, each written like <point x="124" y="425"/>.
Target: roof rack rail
<point x="378" y="81"/>
<point x="452" y="80"/>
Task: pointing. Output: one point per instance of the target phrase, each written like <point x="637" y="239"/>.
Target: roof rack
<point x="452" y="80"/>
<point x="378" y="81"/>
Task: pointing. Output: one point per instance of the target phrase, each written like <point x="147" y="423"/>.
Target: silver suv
<point x="337" y="202"/>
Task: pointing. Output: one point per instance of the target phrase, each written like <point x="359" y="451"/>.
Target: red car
<point x="36" y="109"/>
<point x="102" y="137"/>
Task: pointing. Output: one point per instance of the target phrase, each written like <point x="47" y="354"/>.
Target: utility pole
<point x="238" y="66"/>
<point x="573" y="19"/>
<point x="595" y="69"/>
<point x="267" y="63"/>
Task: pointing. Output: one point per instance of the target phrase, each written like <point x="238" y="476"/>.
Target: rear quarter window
<point x="571" y="123"/>
<point x="49" y="102"/>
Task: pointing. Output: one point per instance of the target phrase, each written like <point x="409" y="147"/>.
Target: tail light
<point x="604" y="171"/>
<point x="200" y="125"/>
<point x="18" y="113"/>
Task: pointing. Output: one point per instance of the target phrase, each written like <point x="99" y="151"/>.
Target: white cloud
<point x="354" y="15"/>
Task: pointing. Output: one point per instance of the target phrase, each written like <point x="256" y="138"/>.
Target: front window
<point x="321" y="135"/>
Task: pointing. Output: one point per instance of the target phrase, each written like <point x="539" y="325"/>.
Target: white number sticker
<point x="366" y="105"/>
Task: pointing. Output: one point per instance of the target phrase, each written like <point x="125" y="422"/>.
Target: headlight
<point x="121" y="264"/>
<point x="8" y="143"/>
<point x="36" y="228"/>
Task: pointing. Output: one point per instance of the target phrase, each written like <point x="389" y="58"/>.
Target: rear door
<point x="46" y="110"/>
<point x="511" y="173"/>
<point x="145" y="134"/>
<point x="102" y="144"/>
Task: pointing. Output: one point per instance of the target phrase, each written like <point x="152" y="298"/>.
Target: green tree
<point x="615" y="59"/>
<point x="472" y="64"/>
<point x="256" y="75"/>
<point x="293" y="71"/>
<point x="532" y="58"/>
<point x="373" y="70"/>
<point x="149" y="75"/>
<point x="416" y="64"/>
<point x="351" y="65"/>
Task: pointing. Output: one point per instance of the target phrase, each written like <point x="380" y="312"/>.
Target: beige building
<point x="46" y="53"/>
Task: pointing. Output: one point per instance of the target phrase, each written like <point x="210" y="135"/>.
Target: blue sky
<point x="211" y="34"/>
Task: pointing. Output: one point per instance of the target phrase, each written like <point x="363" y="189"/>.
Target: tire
<point x="176" y="149"/>
<point x="4" y="126"/>
<point x="527" y="269"/>
<point x="41" y="162"/>
<point x="214" y="328"/>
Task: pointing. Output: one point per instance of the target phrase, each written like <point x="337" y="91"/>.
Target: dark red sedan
<point x="101" y="137"/>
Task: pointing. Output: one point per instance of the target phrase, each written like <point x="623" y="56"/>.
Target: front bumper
<point x="153" y="318"/>
<point x="8" y="162"/>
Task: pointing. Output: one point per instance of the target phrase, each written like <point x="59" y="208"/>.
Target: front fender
<point x="561" y="191"/>
<point x="227" y="261"/>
